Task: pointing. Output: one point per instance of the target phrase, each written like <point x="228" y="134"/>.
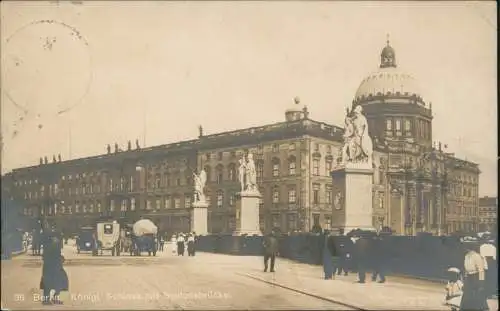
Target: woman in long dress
<point x="53" y="275"/>
<point x="474" y="294"/>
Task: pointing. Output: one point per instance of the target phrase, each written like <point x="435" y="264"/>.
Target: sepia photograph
<point x="249" y="155"/>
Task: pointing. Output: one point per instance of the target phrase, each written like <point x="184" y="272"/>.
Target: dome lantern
<point x="388" y="56"/>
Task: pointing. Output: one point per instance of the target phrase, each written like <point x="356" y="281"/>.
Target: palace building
<point x="417" y="186"/>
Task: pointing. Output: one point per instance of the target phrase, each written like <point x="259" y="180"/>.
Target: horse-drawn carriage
<point x="143" y="236"/>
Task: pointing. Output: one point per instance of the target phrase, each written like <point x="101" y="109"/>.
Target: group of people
<point x="180" y="242"/>
<point x="470" y="289"/>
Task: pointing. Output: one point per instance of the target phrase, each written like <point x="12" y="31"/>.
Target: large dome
<point x="388" y="80"/>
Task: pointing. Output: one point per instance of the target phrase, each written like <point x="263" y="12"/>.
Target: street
<point x="162" y="282"/>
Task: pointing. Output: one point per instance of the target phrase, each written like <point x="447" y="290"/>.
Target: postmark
<point x="46" y="71"/>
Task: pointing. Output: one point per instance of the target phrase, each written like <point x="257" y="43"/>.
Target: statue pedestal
<point x="247" y="213"/>
<point x="199" y="218"/>
<point x="353" y="197"/>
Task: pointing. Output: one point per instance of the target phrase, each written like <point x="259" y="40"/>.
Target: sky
<point x="154" y="71"/>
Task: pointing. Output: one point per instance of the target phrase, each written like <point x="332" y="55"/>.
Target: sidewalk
<point x="396" y="294"/>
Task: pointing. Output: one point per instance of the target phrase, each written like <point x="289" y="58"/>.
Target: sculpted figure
<point x="351" y="148"/>
<point x="241" y="173"/>
<point x="199" y="185"/>
<point x="361" y="132"/>
<point x="251" y="175"/>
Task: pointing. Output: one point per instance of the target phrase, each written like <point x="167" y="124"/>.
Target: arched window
<point x="292" y="164"/>
<point x="220" y="198"/>
<point x="276" y="167"/>
<point x="232" y="172"/>
<point x="219" y="174"/>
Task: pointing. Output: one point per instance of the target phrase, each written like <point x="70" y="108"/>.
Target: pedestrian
<point x="343" y="259"/>
<point x="327" y="256"/>
<point x="173" y="244"/>
<point x="489" y="252"/>
<point x="361" y="245"/>
<point x="379" y="255"/>
<point x="190" y="245"/>
<point x="270" y="244"/>
<point x="53" y="275"/>
<point x="454" y="289"/>
<point x="474" y="296"/>
<point x="180" y="245"/>
<point x="162" y="243"/>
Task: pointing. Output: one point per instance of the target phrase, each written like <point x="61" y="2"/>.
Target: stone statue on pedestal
<point x="247" y="175"/>
<point x="250" y="175"/>
<point x="241" y="173"/>
<point x="358" y="146"/>
<point x="199" y="185"/>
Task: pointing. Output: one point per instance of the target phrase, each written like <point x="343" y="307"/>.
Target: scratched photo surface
<point x="260" y="155"/>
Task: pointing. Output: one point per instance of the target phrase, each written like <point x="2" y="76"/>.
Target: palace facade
<point x="417" y="186"/>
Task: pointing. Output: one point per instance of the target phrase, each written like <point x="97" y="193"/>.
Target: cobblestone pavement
<point x="161" y="282"/>
<point x="211" y="281"/>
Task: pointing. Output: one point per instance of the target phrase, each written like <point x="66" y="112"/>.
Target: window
<point x="276" y="195"/>
<point x="292" y="195"/>
<point x="110" y="184"/>
<point x="220" y="198"/>
<point x="276" y="148"/>
<point x="148" y="204"/>
<point x="276" y="220"/>
<point x="316" y="167"/>
<point x="177" y="202"/>
<point x="187" y="201"/>
<point x="84" y="207"/>
<point x="207" y="156"/>
<point x="276" y="167"/>
<point x="112" y="205"/>
<point x="260" y="170"/>
<point x="315" y="194"/>
<point x="219" y="175"/>
<point x="131" y="184"/>
<point x="398" y="127"/>
<point x="408" y="127"/>
<point x="108" y="229"/>
<point x="388" y="127"/>
<point x="328" y="195"/>
<point x="178" y="181"/>
<point x="231" y="199"/>
<point x="91" y="208"/>
<point x="291" y="166"/>
<point x="292" y="222"/>
<point x="232" y="172"/>
<point x="167" y="202"/>
<point x="124" y="206"/>
<point x="328" y="222"/>
<point x="316" y="219"/>
<point x="328" y="167"/>
<point x="157" y="181"/>
<point x="98" y="206"/>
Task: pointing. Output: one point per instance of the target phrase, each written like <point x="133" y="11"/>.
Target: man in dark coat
<point x="270" y="250"/>
<point x="343" y="258"/>
<point x="380" y="256"/>
<point x="53" y="275"/>
<point x="361" y="249"/>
